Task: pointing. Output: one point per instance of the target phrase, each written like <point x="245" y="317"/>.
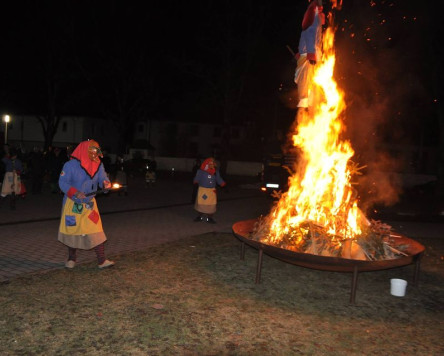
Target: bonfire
<point x="319" y="213"/>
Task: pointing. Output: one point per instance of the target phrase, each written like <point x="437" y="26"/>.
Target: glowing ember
<point x="319" y="212"/>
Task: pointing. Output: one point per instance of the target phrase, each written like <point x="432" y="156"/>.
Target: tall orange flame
<point x="320" y="190"/>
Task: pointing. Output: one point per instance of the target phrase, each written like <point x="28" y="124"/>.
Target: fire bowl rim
<point x="327" y="263"/>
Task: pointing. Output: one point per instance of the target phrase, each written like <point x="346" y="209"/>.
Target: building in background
<point x="151" y="137"/>
<point x="192" y="139"/>
<point x="25" y="131"/>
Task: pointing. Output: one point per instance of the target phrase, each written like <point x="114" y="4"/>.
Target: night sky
<point x="213" y="60"/>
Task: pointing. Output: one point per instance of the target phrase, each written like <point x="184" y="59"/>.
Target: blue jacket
<point x="207" y="180"/>
<point x="12" y="164"/>
<point x="74" y="178"/>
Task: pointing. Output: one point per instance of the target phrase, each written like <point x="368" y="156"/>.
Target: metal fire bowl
<point x="242" y="230"/>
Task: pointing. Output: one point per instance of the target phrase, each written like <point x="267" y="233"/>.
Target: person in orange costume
<point x="206" y="200"/>
<point x="80" y="224"/>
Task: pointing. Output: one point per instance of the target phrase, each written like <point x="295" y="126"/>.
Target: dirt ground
<point x="196" y="297"/>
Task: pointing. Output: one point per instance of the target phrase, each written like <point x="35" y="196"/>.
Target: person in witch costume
<point x="12" y="184"/>
<point x="80" y="224"/>
<point x="309" y="51"/>
<point x="206" y="200"/>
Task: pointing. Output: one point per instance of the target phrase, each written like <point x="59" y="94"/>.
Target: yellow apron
<point x="77" y="219"/>
<point x="303" y="78"/>
<point x="81" y="227"/>
<point x="206" y="200"/>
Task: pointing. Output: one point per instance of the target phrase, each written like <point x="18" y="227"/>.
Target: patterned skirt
<point x="81" y="225"/>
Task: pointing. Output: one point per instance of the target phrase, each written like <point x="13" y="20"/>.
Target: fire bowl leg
<point x="259" y="266"/>
<point x="242" y="254"/>
<point x="354" y="285"/>
<point x="417" y="268"/>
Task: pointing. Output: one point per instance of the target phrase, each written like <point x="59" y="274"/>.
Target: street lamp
<point x="6" y="118"/>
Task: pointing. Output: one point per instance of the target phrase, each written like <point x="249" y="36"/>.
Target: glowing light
<point x="6" y="119"/>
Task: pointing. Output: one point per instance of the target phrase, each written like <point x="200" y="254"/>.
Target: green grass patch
<point x="196" y="297"/>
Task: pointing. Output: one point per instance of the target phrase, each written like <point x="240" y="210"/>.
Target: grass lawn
<point x="196" y="297"/>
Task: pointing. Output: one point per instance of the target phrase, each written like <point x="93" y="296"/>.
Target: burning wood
<point x="376" y="243"/>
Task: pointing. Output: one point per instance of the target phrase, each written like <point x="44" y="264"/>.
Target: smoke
<point x="382" y="87"/>
<point x="369" y="127"/>
<point x="379" y="184"/>
<point x="381" y="92"/>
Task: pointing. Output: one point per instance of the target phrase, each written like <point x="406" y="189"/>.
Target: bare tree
<point x="43" y="78"/>
<point x="118" y="65"/>
<point x="226" y="44"/>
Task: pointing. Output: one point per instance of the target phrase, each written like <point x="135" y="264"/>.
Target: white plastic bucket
<point x="397" y="287"/>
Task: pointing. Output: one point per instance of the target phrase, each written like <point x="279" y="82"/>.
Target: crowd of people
<point x="23" y="172"/>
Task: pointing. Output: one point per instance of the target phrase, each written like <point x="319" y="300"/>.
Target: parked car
<point x="275" y="173"/>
